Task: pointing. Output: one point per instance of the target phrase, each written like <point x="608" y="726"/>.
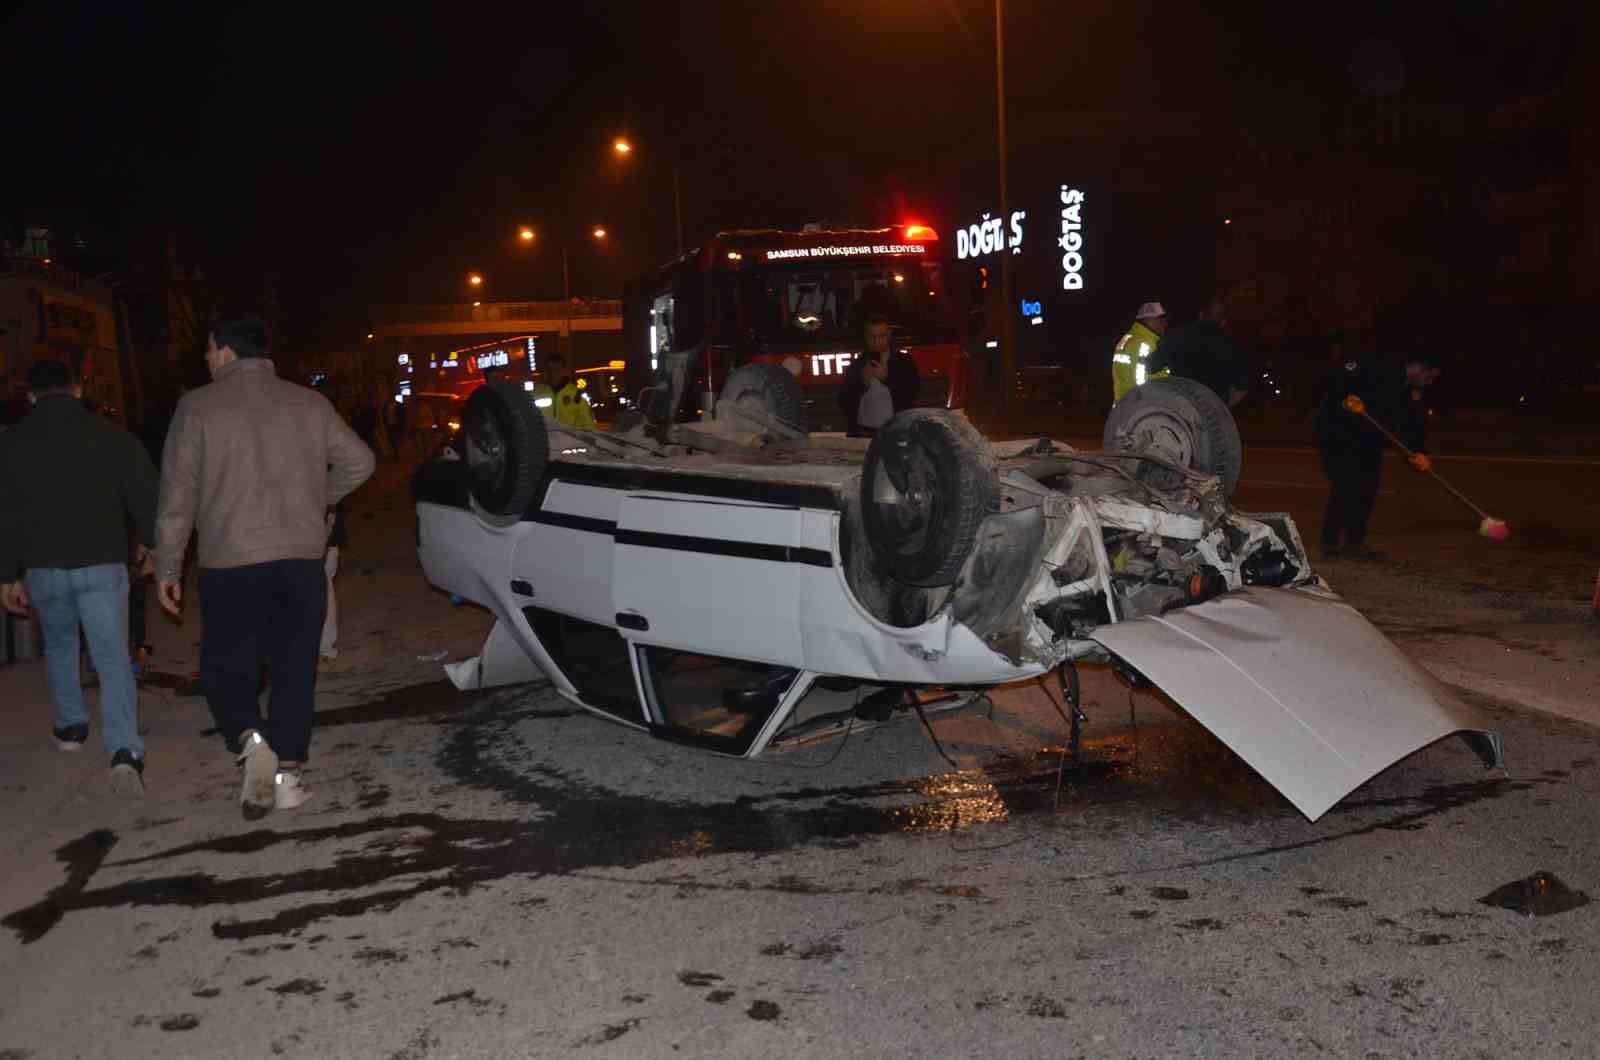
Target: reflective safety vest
<point x="571" y="407"/>
<point x="543" y="398"/>
<point x="1128" y="360"/>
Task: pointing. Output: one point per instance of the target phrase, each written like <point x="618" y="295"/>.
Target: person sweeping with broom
<point x="1365" y="403"/>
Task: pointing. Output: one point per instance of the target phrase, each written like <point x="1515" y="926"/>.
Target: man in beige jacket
<point x="254" y="463"/>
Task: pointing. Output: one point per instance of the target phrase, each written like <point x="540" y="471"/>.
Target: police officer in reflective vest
<point x="563" y="401"/>
<point x="1130" y="360"/>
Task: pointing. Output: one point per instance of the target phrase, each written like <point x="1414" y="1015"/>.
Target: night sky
<point x="358" y="158"/>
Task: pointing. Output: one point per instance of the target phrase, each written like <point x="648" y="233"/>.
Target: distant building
<point x="342" y="372"/>
<point x="48" y="312"/>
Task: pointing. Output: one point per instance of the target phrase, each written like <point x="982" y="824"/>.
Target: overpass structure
<point x="490" y="319"/>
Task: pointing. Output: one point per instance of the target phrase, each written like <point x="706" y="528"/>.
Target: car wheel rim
<point x="1161" y="434"/>
<point x="905" y="494"/>
<point x="486" y="451"/>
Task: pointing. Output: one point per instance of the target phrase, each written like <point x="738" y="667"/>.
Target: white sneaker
<point x="289" y="791"/>
<point x="260" y="762"/>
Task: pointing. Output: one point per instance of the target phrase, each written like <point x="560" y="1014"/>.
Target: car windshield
<point x="810" y="306"/>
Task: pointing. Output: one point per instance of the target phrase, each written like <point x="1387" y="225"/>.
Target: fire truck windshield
<point x="802" y="306"/>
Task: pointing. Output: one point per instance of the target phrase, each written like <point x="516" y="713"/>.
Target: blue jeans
<point x="97" y="597"/>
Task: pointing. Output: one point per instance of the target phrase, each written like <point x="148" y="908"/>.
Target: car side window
<point x="722" y="702"/>
<point x="594" y="658"/>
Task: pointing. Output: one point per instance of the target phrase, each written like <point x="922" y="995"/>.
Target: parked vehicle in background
<point x="1044" y="386"/>
<point x="603" y="386"/>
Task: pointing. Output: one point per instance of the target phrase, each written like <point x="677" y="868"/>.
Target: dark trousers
<point x="268" y="612"/>
<point x="1353" y="473"/>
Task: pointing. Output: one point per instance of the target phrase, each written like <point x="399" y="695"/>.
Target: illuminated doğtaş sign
<point x="987" y="237"/>
<point x="846" y="252"/>
<point x="1071" y="241"/>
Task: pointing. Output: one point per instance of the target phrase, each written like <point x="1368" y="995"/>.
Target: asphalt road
<point x="499" y="875"/>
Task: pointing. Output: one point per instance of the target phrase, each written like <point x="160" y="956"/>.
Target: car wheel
<point x="769" y="388"/>
<point x="928" y="481"/>
<point x="1178" y="420"/>
<point x="505" y="448"/>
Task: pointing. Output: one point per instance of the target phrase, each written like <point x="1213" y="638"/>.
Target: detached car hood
<point x="1299" y="685"/>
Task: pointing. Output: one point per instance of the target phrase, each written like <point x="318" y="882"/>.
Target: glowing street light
<point x="474" y="279"/>
<point x="525" y="234"/>
<point x="599" y="232"/>
<point x="622" y="146"/>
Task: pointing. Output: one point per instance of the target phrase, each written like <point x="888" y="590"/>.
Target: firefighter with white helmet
<point x="1130" y="359"/>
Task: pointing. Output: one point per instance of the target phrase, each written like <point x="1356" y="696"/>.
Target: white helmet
<point x="1149" y="311"/>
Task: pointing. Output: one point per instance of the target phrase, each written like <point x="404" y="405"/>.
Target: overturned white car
<point x="737" y="583"/>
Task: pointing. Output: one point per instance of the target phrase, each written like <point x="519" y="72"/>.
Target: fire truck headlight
<point x="543" y="402"/>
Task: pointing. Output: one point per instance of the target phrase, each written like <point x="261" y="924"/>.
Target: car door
<point x="707" y="594"/>
<point x="713" y="576"/>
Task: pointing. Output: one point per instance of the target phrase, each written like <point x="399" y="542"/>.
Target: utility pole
<point x="566" y="302"/>
<point x="677" y="204"/>
<point x="1008" y="304"/>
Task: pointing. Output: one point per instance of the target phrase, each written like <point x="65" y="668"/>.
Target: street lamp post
<point x="1008" y="324"/>
<point x="677" y="204"/>
<point x="565" y="345"/>
<point x="527" y="234"/>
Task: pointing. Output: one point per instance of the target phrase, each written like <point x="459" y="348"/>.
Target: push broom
<point x="1490" y="527"/>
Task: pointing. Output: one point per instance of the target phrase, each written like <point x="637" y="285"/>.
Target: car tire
<point x="769" y="387"/>
<point x="506" y="448"/>
<point x="1181" y="420"/>
<point x="928" y="481"/>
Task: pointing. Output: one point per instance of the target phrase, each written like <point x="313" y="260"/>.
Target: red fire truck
<point x="799" y="299"/>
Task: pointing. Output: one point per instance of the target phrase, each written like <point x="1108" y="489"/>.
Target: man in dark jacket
<point x="900" y="374"/>
<point x="1204" y="352"/>
<point x="1352" y="448"/>
<point x="71" y="482"/>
